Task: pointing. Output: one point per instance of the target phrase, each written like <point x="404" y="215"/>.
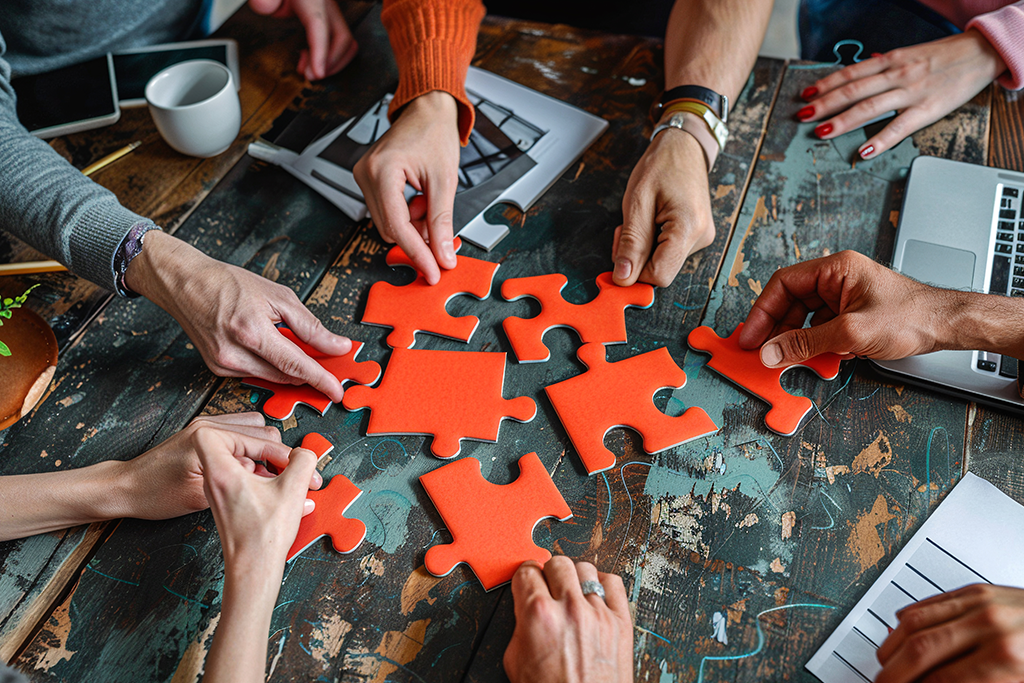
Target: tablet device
<point x="133" y="68"/>
<point x="69" y="100"/>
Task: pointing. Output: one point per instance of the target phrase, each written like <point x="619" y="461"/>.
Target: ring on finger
<point x="592" y="588"/>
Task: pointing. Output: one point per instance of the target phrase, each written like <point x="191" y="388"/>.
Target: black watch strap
<point x="719" y="104"/>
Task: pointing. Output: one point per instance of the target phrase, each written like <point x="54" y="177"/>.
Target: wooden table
<point x="740" y="524"/>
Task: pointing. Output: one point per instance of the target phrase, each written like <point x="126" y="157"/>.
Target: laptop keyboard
<point x="1008" y="256"/>
<point x="1007" y="268"/>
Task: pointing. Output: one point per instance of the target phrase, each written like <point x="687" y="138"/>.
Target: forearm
<point x="33" y="504"/>
<point x="714" y="43"/>
<point x="983" y="322"/>
<point x="48" y="203"/>
<point x="239" y="650"/>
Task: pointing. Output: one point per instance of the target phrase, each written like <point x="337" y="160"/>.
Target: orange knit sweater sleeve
<point x="433" y="42"/>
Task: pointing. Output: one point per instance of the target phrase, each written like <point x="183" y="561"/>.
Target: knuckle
<point x="630" y="240"/>
<point x="590" y="568"/>
<point x="992" y="616"/>
<point x="799" y="344"/>
<point x="920" y="645"/>
<point x="271" y="433"/>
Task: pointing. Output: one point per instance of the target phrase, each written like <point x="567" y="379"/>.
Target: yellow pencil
<point x="33" y="267"/>
<point x="110" y="158"/>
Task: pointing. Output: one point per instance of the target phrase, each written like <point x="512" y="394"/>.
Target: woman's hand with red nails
<point x="922" y="83"/>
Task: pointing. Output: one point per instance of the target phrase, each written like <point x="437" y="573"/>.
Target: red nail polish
<point x="823" y="130"/>
<point x="808" y="93"/>
<point x="867" y="151"/>
<point x="876" y="54"/>
<point x="805" y="113"/>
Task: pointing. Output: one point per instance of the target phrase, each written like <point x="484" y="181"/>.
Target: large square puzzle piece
<point x="328" y="516"/>
<point x="491" y="525"/>
<point x="420" y="307"/>
<point x="450" y="395"/>
<point x="611" y="395"/>
<point x="602" y="320"/>
<point x="745" y="369"/>
<point x="281" y="405"/>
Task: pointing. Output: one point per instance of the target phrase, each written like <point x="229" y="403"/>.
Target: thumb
<point x="633" y="241"/>
<point x="797" y="346"/>
<point x="296" y="478"/>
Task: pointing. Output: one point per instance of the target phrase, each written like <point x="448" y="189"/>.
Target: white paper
<point x="976" y="535"/>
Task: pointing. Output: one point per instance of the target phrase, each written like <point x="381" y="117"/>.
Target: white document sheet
<point x="976" y="535"/>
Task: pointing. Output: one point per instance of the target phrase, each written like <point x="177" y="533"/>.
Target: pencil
<point x="33" y="267"/>
<point x="110" y="158"/>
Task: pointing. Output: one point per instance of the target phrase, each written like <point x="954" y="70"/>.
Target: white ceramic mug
<point x="195" y="107"/>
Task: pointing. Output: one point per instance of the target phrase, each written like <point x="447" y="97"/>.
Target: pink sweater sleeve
<point x="1004" y="28"/>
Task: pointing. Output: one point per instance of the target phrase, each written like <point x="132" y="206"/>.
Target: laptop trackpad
<point x="938" y="265"/>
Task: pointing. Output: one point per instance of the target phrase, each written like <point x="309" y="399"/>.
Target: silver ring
<point x="592" y="588"/>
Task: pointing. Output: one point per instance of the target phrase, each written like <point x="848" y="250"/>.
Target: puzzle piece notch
<point x="420" y="307"/>
<point x="328" y="516"/>
<point x="450" y="395"/>
<point x="281" y="405"/>
<point x="491" y="525"/>
<point x="601" y="320"/>
<point x="612" y="395"/>
<point x="745" y="369"/>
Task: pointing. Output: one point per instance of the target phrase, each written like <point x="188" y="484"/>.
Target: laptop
<point x="962" y="227"/>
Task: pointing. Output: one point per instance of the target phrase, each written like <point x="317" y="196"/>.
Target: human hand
<point x="422" y="149"/>
<point x="230" y="314"/>
<point x="667" y="196"/>
<point x="923" y="82"/>
<point x="860" y="308"/>
<point x="563" y="636"/>
<point x="972" y="634"/>
<point x="167" y="481"/>
<point x="331" y="45"/>
<point x="257" y="515"/>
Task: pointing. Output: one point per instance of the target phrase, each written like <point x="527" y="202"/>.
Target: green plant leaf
<point x="4" y="351"/>
<point x="6" y="314"/>
<point x="8" y="302"/>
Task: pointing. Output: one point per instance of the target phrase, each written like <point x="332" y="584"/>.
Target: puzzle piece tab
<point x="745" y="369"/>
<point x="492" y="525"/>
<point x="450" y="395"/>
<point x="328" y="517"/>
<point x="610" y="395"/>
<point x="602" y="320"/>
<point x="419" y="307"/>
<point x="346" y="368"/>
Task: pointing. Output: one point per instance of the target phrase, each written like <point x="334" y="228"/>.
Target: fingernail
<point x="808" y="93"/>
<point x="771" y="355"/>
<point x="318" y="480"/>
<point x="823" y="130"/>
<point x="876" y="54"/>
<point x="448" y="248"/>
<point x="622" y="269"/>
<point x="805" y="113"/>
<point x="866" y="152"/>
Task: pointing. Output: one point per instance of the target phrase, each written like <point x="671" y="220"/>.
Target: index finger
<point x="853" y="72"/>
<point x="314" y="20"/>
<point x="399" y="225"/>
<point x="297" y="366"/>
<point x="528" y="585"/>
<point x="221" y="449"/>
<point x="790" y="294"/>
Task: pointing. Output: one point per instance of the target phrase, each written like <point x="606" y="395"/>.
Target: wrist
<point x="144" y="272"/>
<point x="438" y="105"/>
<point x="982" y="322"/>
<point x="105" y="491"/>
<point x="995" y="64"/>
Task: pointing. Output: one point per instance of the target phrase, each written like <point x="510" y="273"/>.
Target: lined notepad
<point x="975" y="536"/>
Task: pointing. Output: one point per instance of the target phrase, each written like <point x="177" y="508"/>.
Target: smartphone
<point x="69" y="100"/>
<point x="133" y="68"/>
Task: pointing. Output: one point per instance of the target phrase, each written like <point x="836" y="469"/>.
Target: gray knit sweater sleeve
<point x="48" y="203"/>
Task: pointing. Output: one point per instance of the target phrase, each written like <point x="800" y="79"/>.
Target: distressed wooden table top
<point x="778" y="536"/>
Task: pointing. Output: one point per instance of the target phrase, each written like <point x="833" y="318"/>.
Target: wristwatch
<point x="718" y="104"/>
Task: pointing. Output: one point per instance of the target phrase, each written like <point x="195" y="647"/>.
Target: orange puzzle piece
<point x="745" y="369"/>
<point x="328" y="517"/>
<point x="602" y="320"/>
<point x="451" y="395"/>
<point x="419" y="307"/>
<point x="346" y="368"/>
<point x="491" y="525"/>
<point x="610" y="395"/>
